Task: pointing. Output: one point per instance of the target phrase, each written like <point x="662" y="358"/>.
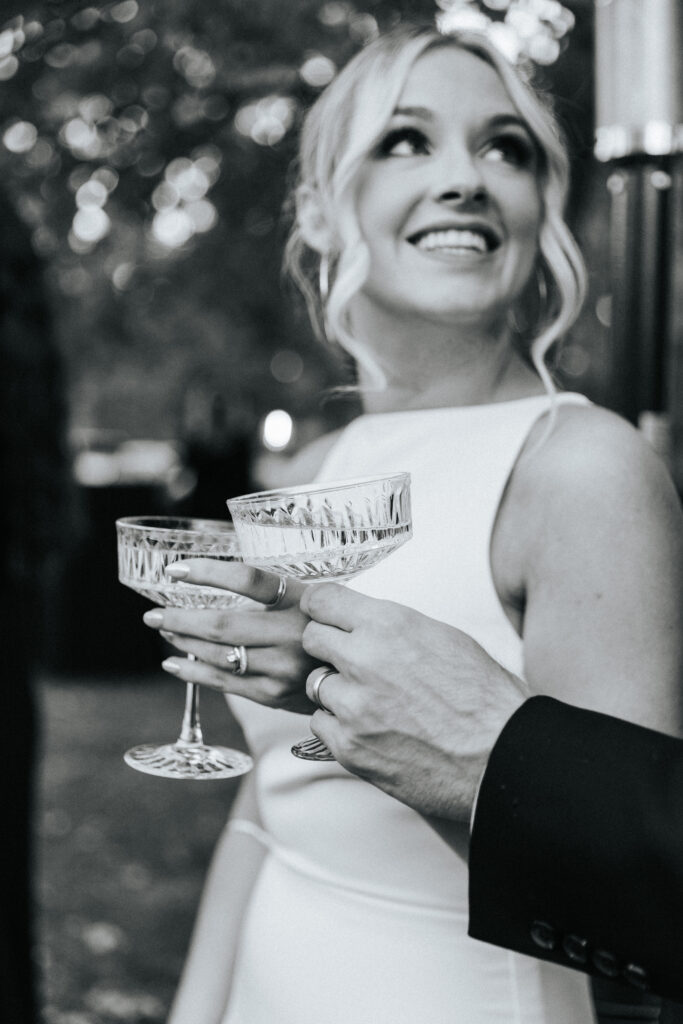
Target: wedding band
<point x="237" y="660"/>
<point x="281" y="591"/>
<point x="319" y="675"/>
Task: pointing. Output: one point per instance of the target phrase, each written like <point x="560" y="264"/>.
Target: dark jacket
<point x="576" y="852"/>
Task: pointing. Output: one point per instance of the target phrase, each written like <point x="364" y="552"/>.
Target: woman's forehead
<point x="448" y="78"/>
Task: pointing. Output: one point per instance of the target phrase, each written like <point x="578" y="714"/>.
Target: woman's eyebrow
<point x="424" y="112"/>
<point x="497" y="121"/>
<point x="508" y="121"/>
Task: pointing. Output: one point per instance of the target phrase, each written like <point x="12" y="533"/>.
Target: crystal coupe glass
<point x="328" y="531"/>
<point x="146" y="546"/>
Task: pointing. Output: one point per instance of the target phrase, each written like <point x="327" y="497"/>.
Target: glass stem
<point x="191" y="731"/>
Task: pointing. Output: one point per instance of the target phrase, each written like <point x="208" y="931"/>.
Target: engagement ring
<point x="237" y="660"/>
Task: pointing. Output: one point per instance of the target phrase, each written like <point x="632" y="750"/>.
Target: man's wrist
<point x="482" y="773"/>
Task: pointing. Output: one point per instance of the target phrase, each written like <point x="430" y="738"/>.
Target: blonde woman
<point x="430" y="205"/>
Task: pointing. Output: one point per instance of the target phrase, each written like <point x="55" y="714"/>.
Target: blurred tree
<point x="148" y="147"/>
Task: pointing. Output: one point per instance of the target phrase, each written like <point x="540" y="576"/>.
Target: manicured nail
<point x="178" y="572"/>
<point x="153" y="618"/>
<point x="171" y="665"/>
<point x="167" y="634"/>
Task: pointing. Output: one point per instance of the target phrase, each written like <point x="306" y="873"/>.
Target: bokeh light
<point x="266" y="121"/>
<point x="6" y="43"/>
<point x="8" y="67"/>
<point x="520" y="29"/>
<point x="180" y="198"/>
<point x="41" y="155"/>
<point x="124" y="12"/>
<point x="165" y="196"/>
<point x="172" y="227"/>
<point x="121" y="275"/>
<point x="363" y="28"/>
<point x="81" y="138"/>
<point x="195" y="66"/>
<point x="85" y="19"/>
<point x="318" y="70"/>
<point x="203" y="214"/>
<point x="286" y="366"/>
<point x="334" y="14"/>
<point x="90" y="224"/>
<point x="91" y="193"/>
<point x="277" y="430"/>
<point x="20" y="137"/>
<point x="95" y="108"/>
<point x="108" y="176"/>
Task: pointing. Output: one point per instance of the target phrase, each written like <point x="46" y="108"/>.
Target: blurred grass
<point x="120" y="856"/>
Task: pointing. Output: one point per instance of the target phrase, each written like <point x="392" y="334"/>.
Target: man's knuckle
<point x="351" y="703"/>
<point x="310" y="637"/>
<point x="321" y="599"/>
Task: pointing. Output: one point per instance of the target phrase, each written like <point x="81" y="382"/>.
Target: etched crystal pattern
<point x="324" y="532"/>
<point x="145" y="552"/>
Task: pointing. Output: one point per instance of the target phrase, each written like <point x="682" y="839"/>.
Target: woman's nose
<point x="461" y="194"/>
<point x="458" y="180"/>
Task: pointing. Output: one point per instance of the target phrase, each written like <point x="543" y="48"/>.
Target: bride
<point x="430" y="202"/>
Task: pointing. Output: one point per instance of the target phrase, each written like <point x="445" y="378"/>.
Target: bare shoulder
<point x="590" y="556"/>
<point x="590" y="490"/>
<point x="592" y="453"/>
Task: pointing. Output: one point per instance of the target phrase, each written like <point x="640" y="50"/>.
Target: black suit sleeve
<point x="576" y="853"/>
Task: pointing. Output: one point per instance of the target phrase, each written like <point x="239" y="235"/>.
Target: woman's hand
<point x="274" y="662"/>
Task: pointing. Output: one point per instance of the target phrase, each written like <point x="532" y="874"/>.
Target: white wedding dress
<point x="359" y="914"/>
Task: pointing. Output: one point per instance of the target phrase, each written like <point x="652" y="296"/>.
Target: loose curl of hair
<point x="344" y="127"/>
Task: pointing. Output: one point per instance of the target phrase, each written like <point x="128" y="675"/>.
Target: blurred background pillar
<point x="639" y="135"/>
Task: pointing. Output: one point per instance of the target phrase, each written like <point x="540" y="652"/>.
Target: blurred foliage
<point x="148" y="146"/>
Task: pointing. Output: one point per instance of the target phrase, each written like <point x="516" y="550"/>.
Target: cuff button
<point x="543" y="935"/>
<point x="606" y="963"/>
<point x="576" y="948"/>
<point x="636" y="976"/>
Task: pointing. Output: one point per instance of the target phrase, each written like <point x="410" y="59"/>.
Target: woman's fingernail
<point x="153" y="618"/>
<point x="167" y="634"/>
<point x="171" y="665"/>
<point x="178" y="572"/>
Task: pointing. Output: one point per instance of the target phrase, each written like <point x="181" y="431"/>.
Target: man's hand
<point x="416" y="705"/>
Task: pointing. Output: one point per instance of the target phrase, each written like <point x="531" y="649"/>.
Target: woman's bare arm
<point x="597" y="534"/>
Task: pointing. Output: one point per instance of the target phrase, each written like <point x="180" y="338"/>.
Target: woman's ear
<point x="313" y="226"/>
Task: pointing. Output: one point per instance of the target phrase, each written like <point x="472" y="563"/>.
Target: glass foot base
<point x="312" y="749"/>
<point x="188" y="761"/>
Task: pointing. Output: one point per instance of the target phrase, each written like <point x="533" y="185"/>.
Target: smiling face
<point x="449" y="201"/>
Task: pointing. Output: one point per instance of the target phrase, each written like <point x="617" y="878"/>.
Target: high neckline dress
<point x="359" y="914"/>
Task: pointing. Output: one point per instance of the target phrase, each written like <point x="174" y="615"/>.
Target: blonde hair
<point x="344" y="127"/>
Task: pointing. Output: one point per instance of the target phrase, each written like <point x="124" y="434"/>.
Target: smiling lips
<point x="455" y="240"/>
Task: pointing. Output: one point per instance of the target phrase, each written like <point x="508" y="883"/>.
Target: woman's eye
<point x="511" y="149"/>
<point x="403" y="142"/>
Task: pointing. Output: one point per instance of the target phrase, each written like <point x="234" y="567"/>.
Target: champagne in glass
<point x="147" y="545"/>
<point x="330" y="531"/>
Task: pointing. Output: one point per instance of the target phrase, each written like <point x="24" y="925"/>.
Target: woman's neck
<point x="430" y="366"/>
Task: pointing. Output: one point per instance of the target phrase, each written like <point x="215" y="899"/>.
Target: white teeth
<point x="453" y="239"/>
